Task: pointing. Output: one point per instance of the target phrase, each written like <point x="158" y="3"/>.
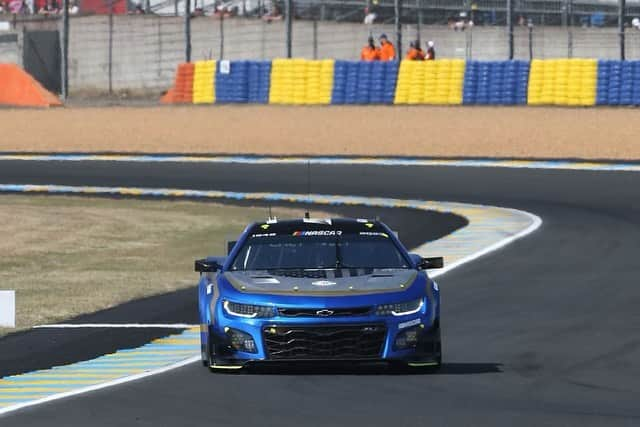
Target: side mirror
<point x="433" y="262"/>
<point x="206" y="266"/>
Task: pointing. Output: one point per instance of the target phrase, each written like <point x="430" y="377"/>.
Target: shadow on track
<point x="368" y="369"/>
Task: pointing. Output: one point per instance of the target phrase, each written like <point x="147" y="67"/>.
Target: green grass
<point x="66" y="256"/>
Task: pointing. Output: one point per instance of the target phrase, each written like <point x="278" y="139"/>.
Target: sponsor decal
<point x="368" y="225"/>
<point x="435" y="286"/>
<point x="263" y="235"/>
<point x="413" y="322"/>
<point x="373" y="233"/>
<point x="264" y="226"/>
<point x="323" y="283"/>
<point x="313" y="233"/>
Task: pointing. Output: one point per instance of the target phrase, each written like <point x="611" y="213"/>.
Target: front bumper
<point x="313" y="340"/>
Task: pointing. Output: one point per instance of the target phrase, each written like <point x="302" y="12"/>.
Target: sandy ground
<point x="70" y="255"/>
<point x="597" y="133"/>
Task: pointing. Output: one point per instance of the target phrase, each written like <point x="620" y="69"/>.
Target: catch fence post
<point x="221" y="35"/>
<point x="569" y="22"/>
<point x="530" y="27"/>
<point x="397" y="10"/>
<point x="289" y="25"/>
<point x="622" y="4"/>
<point x="65" y="49"/>
<point x="110" y="65"/>
<point x="315" y="38"/>
<point x="510" y="27"/>
<point x="187" y="30"/>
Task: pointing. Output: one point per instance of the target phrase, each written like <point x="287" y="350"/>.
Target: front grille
<point x="324" y="342"/>
<point x="320" y="312"/>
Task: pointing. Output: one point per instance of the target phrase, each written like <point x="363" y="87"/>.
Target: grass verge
<point x="66" y="256"/>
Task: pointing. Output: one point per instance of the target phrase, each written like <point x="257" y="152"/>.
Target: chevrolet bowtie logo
<point x="324" y="313"/>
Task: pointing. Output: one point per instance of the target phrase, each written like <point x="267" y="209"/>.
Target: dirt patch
<point x="70" y="255"/>
<point x="597" y="133"/>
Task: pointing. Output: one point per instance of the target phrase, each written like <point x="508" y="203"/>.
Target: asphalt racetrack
<point x="542" y="332"/>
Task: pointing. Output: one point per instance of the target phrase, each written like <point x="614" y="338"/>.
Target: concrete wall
<point x="147" y="49"/>
<point x="9" y="48"/>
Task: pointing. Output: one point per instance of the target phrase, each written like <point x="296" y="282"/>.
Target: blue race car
<point x="311" y="290"/>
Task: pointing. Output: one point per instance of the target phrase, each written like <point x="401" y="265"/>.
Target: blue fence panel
<point x="626" y="83"/>
<point x="360" y="82"/>
<point x="363" y="86"/>
<point x="376" y="87"/>
<point x="470" y="89"/>
<point x="615" y="82"/>
<point x="351" y="87"/>
<point x="496" y="82"/>
<point x="602" y="87"/>
<point x="636" y="83"/>
<point x="233" y="86"/>
<point x="259" y="81"/>
<point x="484" y="80"/>
<point x="338" y="93"/>
<point x="391" y="69"/>
<point x="522" y="82"/>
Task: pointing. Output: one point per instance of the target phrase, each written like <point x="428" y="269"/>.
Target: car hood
<point x="321" y="282"/>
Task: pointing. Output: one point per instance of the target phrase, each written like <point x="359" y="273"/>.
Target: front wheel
<point x="432" y="350"/>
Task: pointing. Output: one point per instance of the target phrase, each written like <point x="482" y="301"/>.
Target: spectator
<point x="50" y="8"/>
<point x="73" y="8"/>
<point x="370" y="52"/>
<point x="369" y="16"/>
<point x="15" y="6"/>
<point x="415" y="52"/>
<point x="635" y="23"/>
<point x="387" y="50"/>
<point x="431" y="51"/>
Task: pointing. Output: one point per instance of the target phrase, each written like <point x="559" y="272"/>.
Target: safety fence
<point x="568" y="82"/>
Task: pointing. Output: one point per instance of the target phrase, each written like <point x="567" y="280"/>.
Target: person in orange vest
<point x="415" y="52"/>
<point x="387" y="50"/>
<point x="370" y="52"/>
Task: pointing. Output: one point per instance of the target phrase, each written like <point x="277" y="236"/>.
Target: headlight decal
<point x="248" y="311"/>
<point x="400" y="309"/>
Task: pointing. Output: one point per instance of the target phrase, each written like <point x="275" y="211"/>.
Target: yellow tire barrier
<point x="430" y="82"/>
<point x="563" y="82"/>
<point x="204" y="91"/>
<point x="301" y="81"/>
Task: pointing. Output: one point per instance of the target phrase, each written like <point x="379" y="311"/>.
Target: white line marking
<point x="585" y="164"/>
<point x="537" y="222"/>
<point x="117" y="325"/>
<point x="100" y="386"/>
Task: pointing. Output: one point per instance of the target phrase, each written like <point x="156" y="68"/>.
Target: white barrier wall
<point x="7" y="309"/>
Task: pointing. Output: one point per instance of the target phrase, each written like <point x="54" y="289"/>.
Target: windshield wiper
<point x="338" y="256"/>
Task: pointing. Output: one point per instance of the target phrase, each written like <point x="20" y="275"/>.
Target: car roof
<point x="346" y="225"/>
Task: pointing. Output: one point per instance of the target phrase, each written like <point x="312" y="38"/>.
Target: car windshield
<point x="308" y="250"/>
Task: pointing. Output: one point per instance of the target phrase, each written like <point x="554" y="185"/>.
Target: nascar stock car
<point x="311" y="290"/>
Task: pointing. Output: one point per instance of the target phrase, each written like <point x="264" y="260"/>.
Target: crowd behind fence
<point x="117" y="51"/>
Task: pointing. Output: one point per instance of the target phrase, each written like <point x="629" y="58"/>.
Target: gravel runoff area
<point x="66" y="256"/>
<point x="425" y="131"/>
